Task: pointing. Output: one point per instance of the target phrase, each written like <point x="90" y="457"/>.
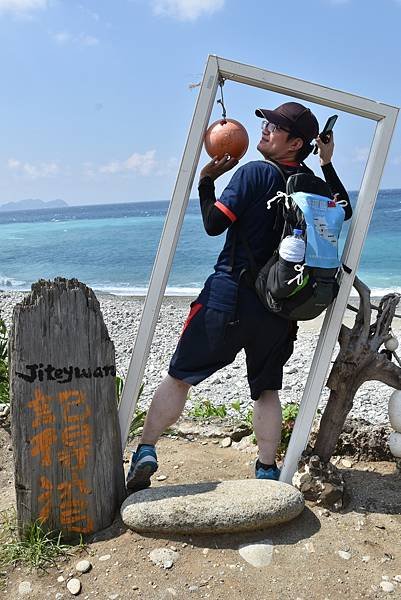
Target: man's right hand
<point x="217" y="167"/>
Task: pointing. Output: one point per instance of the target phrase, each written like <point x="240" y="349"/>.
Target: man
<point x="228" y="316"/>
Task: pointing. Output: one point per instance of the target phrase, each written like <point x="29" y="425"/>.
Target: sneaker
<point x="143" y="465"/>
<point x="260" y="473"/>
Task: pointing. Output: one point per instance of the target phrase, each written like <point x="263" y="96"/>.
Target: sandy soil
<point x="306" y="564"/>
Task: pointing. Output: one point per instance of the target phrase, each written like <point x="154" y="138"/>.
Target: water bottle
<point x="292" y="248"/>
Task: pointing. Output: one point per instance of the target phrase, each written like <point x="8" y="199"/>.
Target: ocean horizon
<point x="112" y="247"/>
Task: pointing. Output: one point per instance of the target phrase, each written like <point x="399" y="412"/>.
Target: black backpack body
<point x="302" y="291"/>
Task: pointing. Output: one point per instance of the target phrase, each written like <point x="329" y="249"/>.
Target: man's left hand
<point x="325" y="150"/>
<point x="217" y="167"/>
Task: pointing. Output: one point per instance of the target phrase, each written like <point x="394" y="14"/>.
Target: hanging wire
<point x="221" y="100"/>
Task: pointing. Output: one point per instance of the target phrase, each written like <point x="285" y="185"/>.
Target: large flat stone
<point x="212" y="507"/>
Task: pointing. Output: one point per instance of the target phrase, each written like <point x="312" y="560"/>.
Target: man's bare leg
<point x="167" y="405"/>
<point x="267" y="419"/>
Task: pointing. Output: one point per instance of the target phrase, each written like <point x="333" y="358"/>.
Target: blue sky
<point x="96" y="97"/>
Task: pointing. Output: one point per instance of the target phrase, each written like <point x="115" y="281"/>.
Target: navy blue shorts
<point x="211" y="339"/>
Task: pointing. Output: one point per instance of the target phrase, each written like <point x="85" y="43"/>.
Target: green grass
<point x="236" y="405"/>
<point x="37" y="548"/>
<point x="119" y="381"/>
<point x="140" y="415"/>
<point x="4" y="381"/>
<point x="204" y="409"/>
<point x="290" y="412"/>
<point x="137" y="422"/>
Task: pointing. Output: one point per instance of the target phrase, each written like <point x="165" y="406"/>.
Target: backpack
<point x="300" y="292"/>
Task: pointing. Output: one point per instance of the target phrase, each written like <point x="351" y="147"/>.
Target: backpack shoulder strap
<point x="279" y="169"/>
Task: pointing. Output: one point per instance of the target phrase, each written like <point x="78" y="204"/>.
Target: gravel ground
<point x="122" y="317"/>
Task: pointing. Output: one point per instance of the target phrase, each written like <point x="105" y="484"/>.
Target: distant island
<point x="31" y="204"/>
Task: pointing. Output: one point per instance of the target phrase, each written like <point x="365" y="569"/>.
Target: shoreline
<point x="122" y="316"/>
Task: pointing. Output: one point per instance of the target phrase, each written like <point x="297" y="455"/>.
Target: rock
<point x="259" y="554"/>
<point x="212" y="507"/>
<point x="320" y="482"/>
<point x="164" y="557"/>
<point x="161" y="477"/>
<point x="74" y="586"/>
<point x="60" y="579"/>
<point x="302" y="480"/>
<point x="345" y="554"/>
<point x="226" y="442"/>
<point x="25" y="588"/>
<point x="240" y="431"/>
<point x="104" y="557"/>
<point x="366" y="558"/>
<point x="210" y="430"/>
<point x="4" y="410"/>
<point x="246" y="444"/>
<point x="347" y="463"/>
<point x="364" y="441"/>
<point x="387" y="586"/>
<point x="83" y="566"/>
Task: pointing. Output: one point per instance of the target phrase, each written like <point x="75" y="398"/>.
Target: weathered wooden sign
<point x="65" y="430"/>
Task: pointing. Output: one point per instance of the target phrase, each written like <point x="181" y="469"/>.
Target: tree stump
<point x="358" y="360"/>
<point x="65" y="431"/>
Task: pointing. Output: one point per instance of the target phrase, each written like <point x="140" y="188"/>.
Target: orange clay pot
<point x="226" y="136"/>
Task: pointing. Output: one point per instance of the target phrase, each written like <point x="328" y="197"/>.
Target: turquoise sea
<point x="112" y="247"/>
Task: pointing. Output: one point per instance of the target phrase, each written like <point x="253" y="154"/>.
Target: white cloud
<point x="22" y="6"/>
<point x="83" y="39"/>
<point x="186" y="10"/>
<point x="92" y="14"/>
<point x="167" y="167"/>
<point x="44" y="169"/>
<point x="361" y="154"/>
<point x="144" y="164"/>
<point x="141" y="164"/>
<point x="87" y="40"/>
<point x="62" y="37"/>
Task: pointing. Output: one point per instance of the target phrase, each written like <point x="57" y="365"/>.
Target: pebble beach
<point x="229" y="385"/>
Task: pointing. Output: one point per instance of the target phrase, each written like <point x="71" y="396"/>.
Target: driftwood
<point x="65" y="431"/>
<point x="358" y="360"/>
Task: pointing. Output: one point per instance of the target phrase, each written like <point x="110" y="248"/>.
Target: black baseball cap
<point x="294" y="117"/>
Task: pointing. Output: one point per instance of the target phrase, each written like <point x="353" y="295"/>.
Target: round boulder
<point x="212" y="507"/>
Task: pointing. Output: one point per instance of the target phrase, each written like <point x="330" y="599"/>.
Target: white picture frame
<point x="385" y="117"/>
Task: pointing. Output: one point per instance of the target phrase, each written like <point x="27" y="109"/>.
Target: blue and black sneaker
<point x="143" y="465"/>
<point x="266" y="471"/>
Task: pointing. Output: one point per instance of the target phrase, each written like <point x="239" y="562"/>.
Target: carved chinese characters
<point x="65" y="429"/>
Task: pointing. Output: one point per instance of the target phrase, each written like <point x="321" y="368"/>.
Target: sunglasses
<point x="272" y="127"/>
